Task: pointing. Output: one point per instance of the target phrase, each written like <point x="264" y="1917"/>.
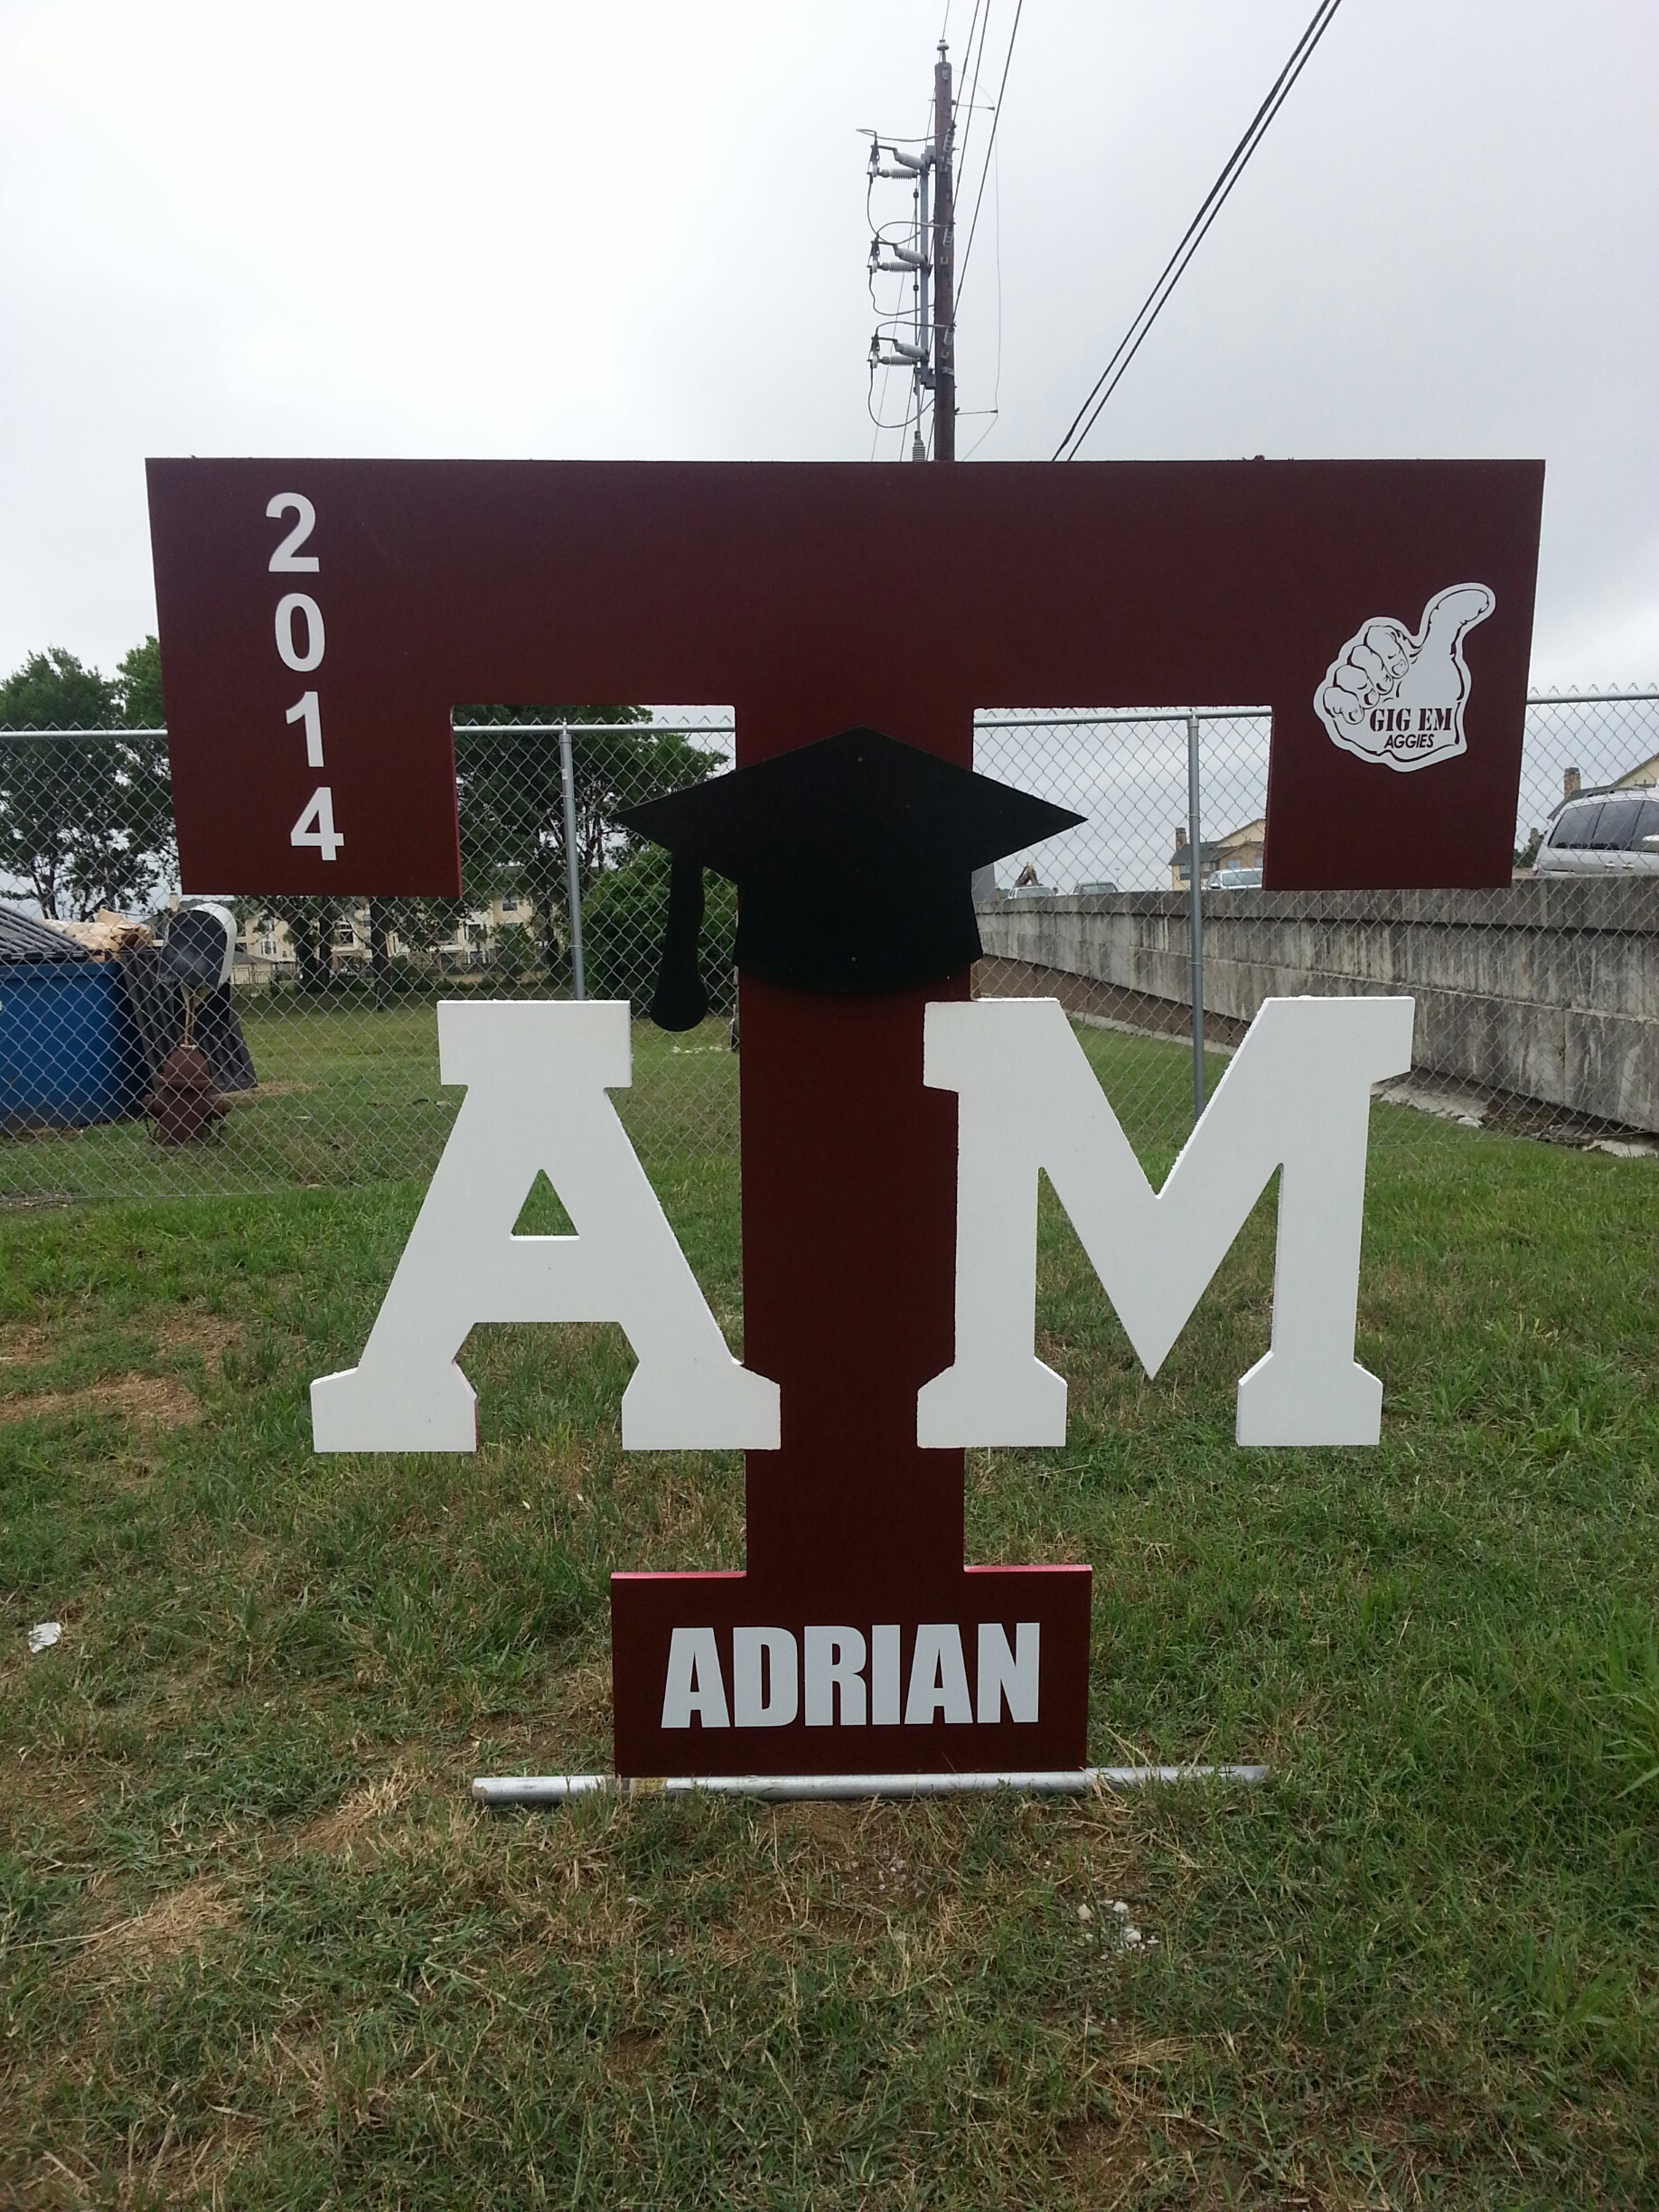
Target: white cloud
<point x="450" y="213"/>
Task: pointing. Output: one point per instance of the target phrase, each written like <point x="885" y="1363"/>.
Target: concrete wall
<point x="1547" y="990"/>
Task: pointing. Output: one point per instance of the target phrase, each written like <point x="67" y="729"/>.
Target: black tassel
<point x="681" y="1001"/>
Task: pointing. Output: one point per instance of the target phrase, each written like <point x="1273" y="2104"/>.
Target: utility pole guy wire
<point x="990" y="147"/>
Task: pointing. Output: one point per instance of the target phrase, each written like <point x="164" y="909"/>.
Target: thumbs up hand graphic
<point x="1397" y="700"/>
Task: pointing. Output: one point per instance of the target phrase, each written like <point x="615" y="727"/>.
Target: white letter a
<point x="537" y="1073"/>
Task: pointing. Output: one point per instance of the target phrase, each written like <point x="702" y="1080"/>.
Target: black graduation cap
<point x="854" y="857"/>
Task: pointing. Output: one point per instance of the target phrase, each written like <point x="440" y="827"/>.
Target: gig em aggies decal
<point x="1397" y="700"/>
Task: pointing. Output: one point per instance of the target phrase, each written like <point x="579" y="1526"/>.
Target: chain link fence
<point x="324" y="1041"/>
<point x="1538" y="1004"/>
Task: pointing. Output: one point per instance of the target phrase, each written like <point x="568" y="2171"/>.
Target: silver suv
<point x="1602" y="833"/>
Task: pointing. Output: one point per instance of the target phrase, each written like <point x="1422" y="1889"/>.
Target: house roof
<point x="1642" y="777"/>
<point x="1212" y="848"/>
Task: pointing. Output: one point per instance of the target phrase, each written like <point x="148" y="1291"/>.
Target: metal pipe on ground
<point x="1066" y="1782"/>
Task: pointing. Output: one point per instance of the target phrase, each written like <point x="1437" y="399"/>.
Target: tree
<point x="84" y="822"/>
<point x="89" y="823"/>
<point x="128" y="847"/>
<point x="139" y="686"/>
<point x="511" y="790"/>
<point x="145" y="764"/>
<point x="623" y="926"/>
<point x="514" y="953"/>
<point x="310" y="924"/>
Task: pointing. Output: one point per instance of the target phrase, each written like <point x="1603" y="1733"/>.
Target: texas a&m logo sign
<point x="894" y="1130"/>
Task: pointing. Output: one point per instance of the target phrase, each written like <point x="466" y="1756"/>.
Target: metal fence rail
<point x="1538" y="1004"/>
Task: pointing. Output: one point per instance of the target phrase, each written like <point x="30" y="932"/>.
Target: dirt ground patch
<point x="206" y="1336"/>
<point x="209" y="1334"/>
<point x="44" y="1788"/>
<point x="154" y="1402"/>
<point x="22" y="1343"/>
<point x="633" y="2054"/>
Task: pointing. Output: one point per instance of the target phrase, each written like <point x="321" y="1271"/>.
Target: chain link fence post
<point x="1194" y="907"/>
<point x="573" y="864"/>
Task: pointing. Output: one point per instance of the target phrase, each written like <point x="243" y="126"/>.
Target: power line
<point x="1131" y="343"/>
<point x="974" y="93"/>
<point x="961" y="276"/>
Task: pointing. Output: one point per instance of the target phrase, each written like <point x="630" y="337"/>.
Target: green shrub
<point x="624" y="916"/>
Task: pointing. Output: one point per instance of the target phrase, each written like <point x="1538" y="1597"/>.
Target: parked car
<point x="1602" y="833"/>
<point x="1235" y="879"/>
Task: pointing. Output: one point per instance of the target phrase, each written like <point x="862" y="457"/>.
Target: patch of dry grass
<point x="158" y="1402"/>
<point x="356" y="1819"/>
<point x="179" y="1922"/>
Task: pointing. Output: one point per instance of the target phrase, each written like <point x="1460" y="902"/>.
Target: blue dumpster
<point x="69" y="1052"/>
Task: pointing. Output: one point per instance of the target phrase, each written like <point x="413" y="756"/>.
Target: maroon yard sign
<point x="320" y="621"/>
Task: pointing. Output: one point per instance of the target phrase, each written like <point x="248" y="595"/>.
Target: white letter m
<point x="1297" y="1096"/>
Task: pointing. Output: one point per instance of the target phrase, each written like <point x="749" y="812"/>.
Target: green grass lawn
<point x="256" y="1948"/>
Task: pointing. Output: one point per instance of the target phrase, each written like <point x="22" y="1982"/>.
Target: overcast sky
<point x="640" y="230"/>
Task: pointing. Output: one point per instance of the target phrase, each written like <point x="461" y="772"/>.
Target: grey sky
<point x="640" y="230"/>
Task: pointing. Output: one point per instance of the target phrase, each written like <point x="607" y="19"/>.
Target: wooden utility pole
<point x="930" y="262"/>
<point x="943" y="256"/>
